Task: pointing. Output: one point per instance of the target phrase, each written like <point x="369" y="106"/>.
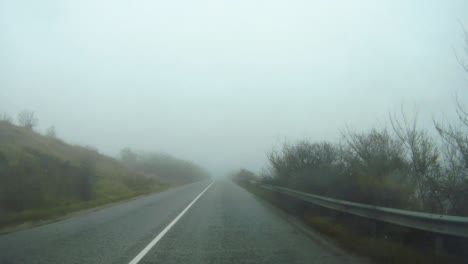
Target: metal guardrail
<point x="441" y="224"/>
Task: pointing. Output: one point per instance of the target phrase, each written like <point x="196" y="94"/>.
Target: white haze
<point x="222" y="82"/>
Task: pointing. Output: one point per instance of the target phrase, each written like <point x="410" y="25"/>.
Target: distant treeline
<point x="162" y="166"/>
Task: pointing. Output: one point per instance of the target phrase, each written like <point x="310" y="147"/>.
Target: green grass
<point x="43" y="178"/>
<point x="11" y="220"/>
<point x="378" y="249"/>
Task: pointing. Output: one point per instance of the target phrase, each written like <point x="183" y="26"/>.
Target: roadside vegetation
<point x="163" y="167"/>
<point x="389" y="245"/>
<point x="404" y="169"/>
<point x="401" y="166"/>
<point x="42" y="177"/>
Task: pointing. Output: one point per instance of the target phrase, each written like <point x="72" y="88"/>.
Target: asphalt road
<point x="225" y="225"/>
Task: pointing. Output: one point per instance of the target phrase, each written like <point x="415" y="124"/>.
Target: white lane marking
<point x="168" y="227"/>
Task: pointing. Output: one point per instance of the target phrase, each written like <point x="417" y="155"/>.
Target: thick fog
<point x="222" y="82"/>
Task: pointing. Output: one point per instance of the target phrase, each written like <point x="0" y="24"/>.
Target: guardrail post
<point x="439" y="245"/>
<point x="465" y="249"/>
<point x="373" y="229"/>
<point x="333" y="215"/>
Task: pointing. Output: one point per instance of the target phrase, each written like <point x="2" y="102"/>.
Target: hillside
<point x="163" y="167"/>
<point x="42" y="176"/>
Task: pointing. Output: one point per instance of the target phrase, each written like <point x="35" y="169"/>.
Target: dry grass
<point x="112" y="180"/>
<point x="378" y="249"/>
<point x="8" y="222"/>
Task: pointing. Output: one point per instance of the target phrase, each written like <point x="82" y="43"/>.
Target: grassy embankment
<point x="43" y="177"/>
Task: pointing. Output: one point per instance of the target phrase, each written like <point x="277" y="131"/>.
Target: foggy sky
<point x="222" y="82"/>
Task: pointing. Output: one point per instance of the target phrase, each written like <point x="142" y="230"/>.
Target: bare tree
<point x="303" y="155"/>
<point x="464" y="64"/>
<point x="424" y="157"/>
<point x="27" y="119"/>
<point x="51" y="132"/>
<point x="457" y="135"/>
<point x="128" y="156"/>
<point x="376" y="150"/>
<point x="375" y="163"/>
<point x="454" y="187"/>
<point x="6" y="117"/>
<point x="455" y="138"/>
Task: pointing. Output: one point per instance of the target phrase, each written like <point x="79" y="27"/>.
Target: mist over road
<point x="225" y="225"/>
